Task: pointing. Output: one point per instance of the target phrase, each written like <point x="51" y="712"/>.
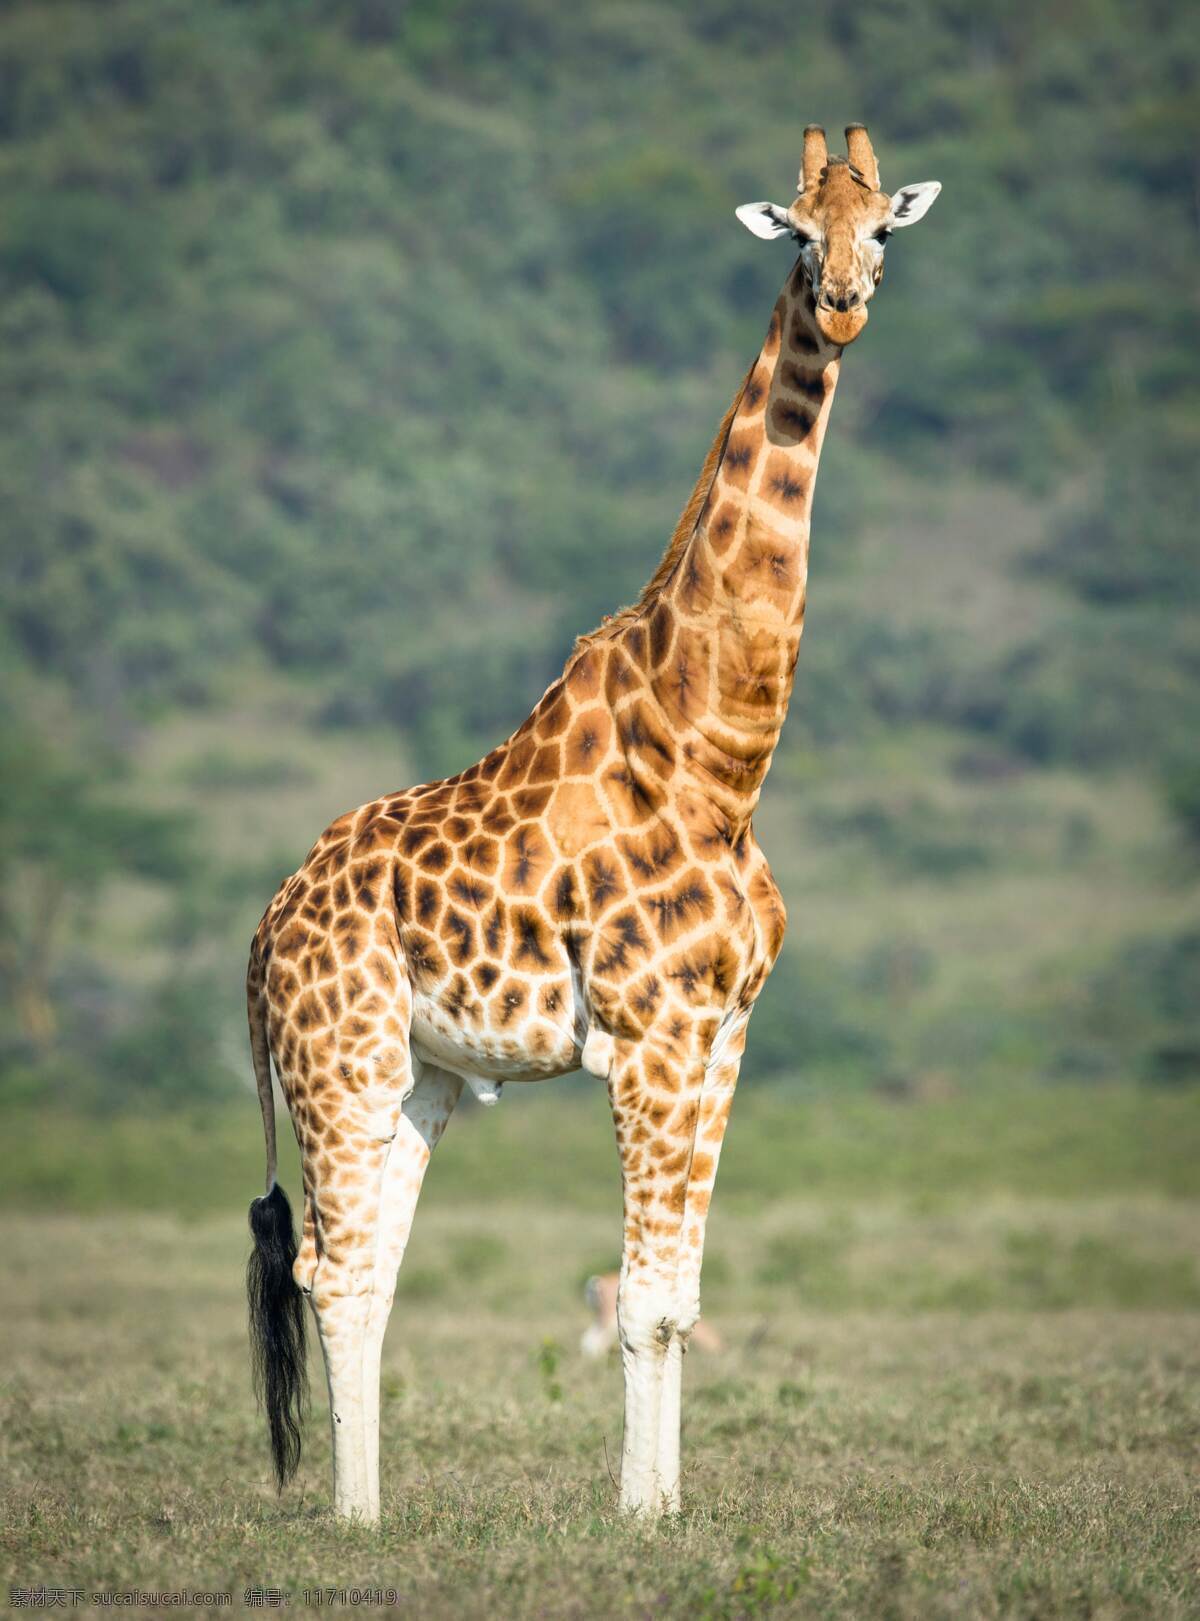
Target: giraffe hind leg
<point x="304" y="1269"/>
<point x="426" y="1111"/>
<point x="346" y="1148"/>
<point x="341" y="1300"/>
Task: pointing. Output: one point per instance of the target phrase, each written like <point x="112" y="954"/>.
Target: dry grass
<point x="928" y="1406"/>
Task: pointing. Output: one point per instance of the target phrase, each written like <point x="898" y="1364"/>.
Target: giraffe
<point x="589" y="895"/>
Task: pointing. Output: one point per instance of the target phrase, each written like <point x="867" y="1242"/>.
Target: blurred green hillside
<point x="355" y="357"/>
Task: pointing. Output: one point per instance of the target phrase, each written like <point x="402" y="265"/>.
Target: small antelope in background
<point x="601" y="1335"/>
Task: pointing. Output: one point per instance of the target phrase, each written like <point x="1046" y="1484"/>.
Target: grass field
<point x="959" y="1375"/>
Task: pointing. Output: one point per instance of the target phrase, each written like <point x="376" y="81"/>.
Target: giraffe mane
<point x="684" y="530"/>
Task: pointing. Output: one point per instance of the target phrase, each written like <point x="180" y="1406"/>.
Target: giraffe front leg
<point x="716" y="1097"/>
<point x="666" y="1456"/>
<point x="423" y="1119"/>
<point x="654" y="1100"/>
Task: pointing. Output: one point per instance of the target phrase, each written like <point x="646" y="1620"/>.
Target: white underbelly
<point x="536" y="1051"/>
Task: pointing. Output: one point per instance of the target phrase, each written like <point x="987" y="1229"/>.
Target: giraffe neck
<point x="718" y="636"/>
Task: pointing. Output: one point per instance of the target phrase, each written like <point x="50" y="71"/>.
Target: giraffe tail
<point x="277" y="1344"/>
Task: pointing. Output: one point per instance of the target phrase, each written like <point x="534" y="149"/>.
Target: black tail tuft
<point x="277" y="1346"/>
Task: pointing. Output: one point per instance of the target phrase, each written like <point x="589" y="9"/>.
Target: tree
<point x="64" y="834"/>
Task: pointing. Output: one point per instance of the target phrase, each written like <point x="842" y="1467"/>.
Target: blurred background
<point x="355" y="357"/>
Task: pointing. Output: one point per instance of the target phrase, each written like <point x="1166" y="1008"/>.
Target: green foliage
<point x="66" y="830"/>
<point x="1013" y="1143"/>
<point x="170" y="1051"/>
<point x="1144" y="1005"/>
<point x="549" y="1356"/>
<point x="352" y="360"/>
<point x="1182" y="787"/>
<point x="65" y="821"/>
<point x="764" y="1581"/>
<point x="918" y="837"/>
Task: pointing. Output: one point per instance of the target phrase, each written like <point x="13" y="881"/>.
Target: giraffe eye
<point x="881" y="235"/>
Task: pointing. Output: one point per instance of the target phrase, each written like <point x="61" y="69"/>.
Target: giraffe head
<point x="841" y="221"/>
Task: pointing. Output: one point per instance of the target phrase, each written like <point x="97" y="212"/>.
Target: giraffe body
<point x="590" y="894"/>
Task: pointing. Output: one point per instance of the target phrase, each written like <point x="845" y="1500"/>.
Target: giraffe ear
<point x="911" y="203"/>
<point x="767" y="220"/>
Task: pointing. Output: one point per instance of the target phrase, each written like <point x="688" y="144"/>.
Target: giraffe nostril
<point x="851" y="300"/>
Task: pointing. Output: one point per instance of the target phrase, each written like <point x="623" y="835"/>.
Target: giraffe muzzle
<point x="841" y="317"/>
